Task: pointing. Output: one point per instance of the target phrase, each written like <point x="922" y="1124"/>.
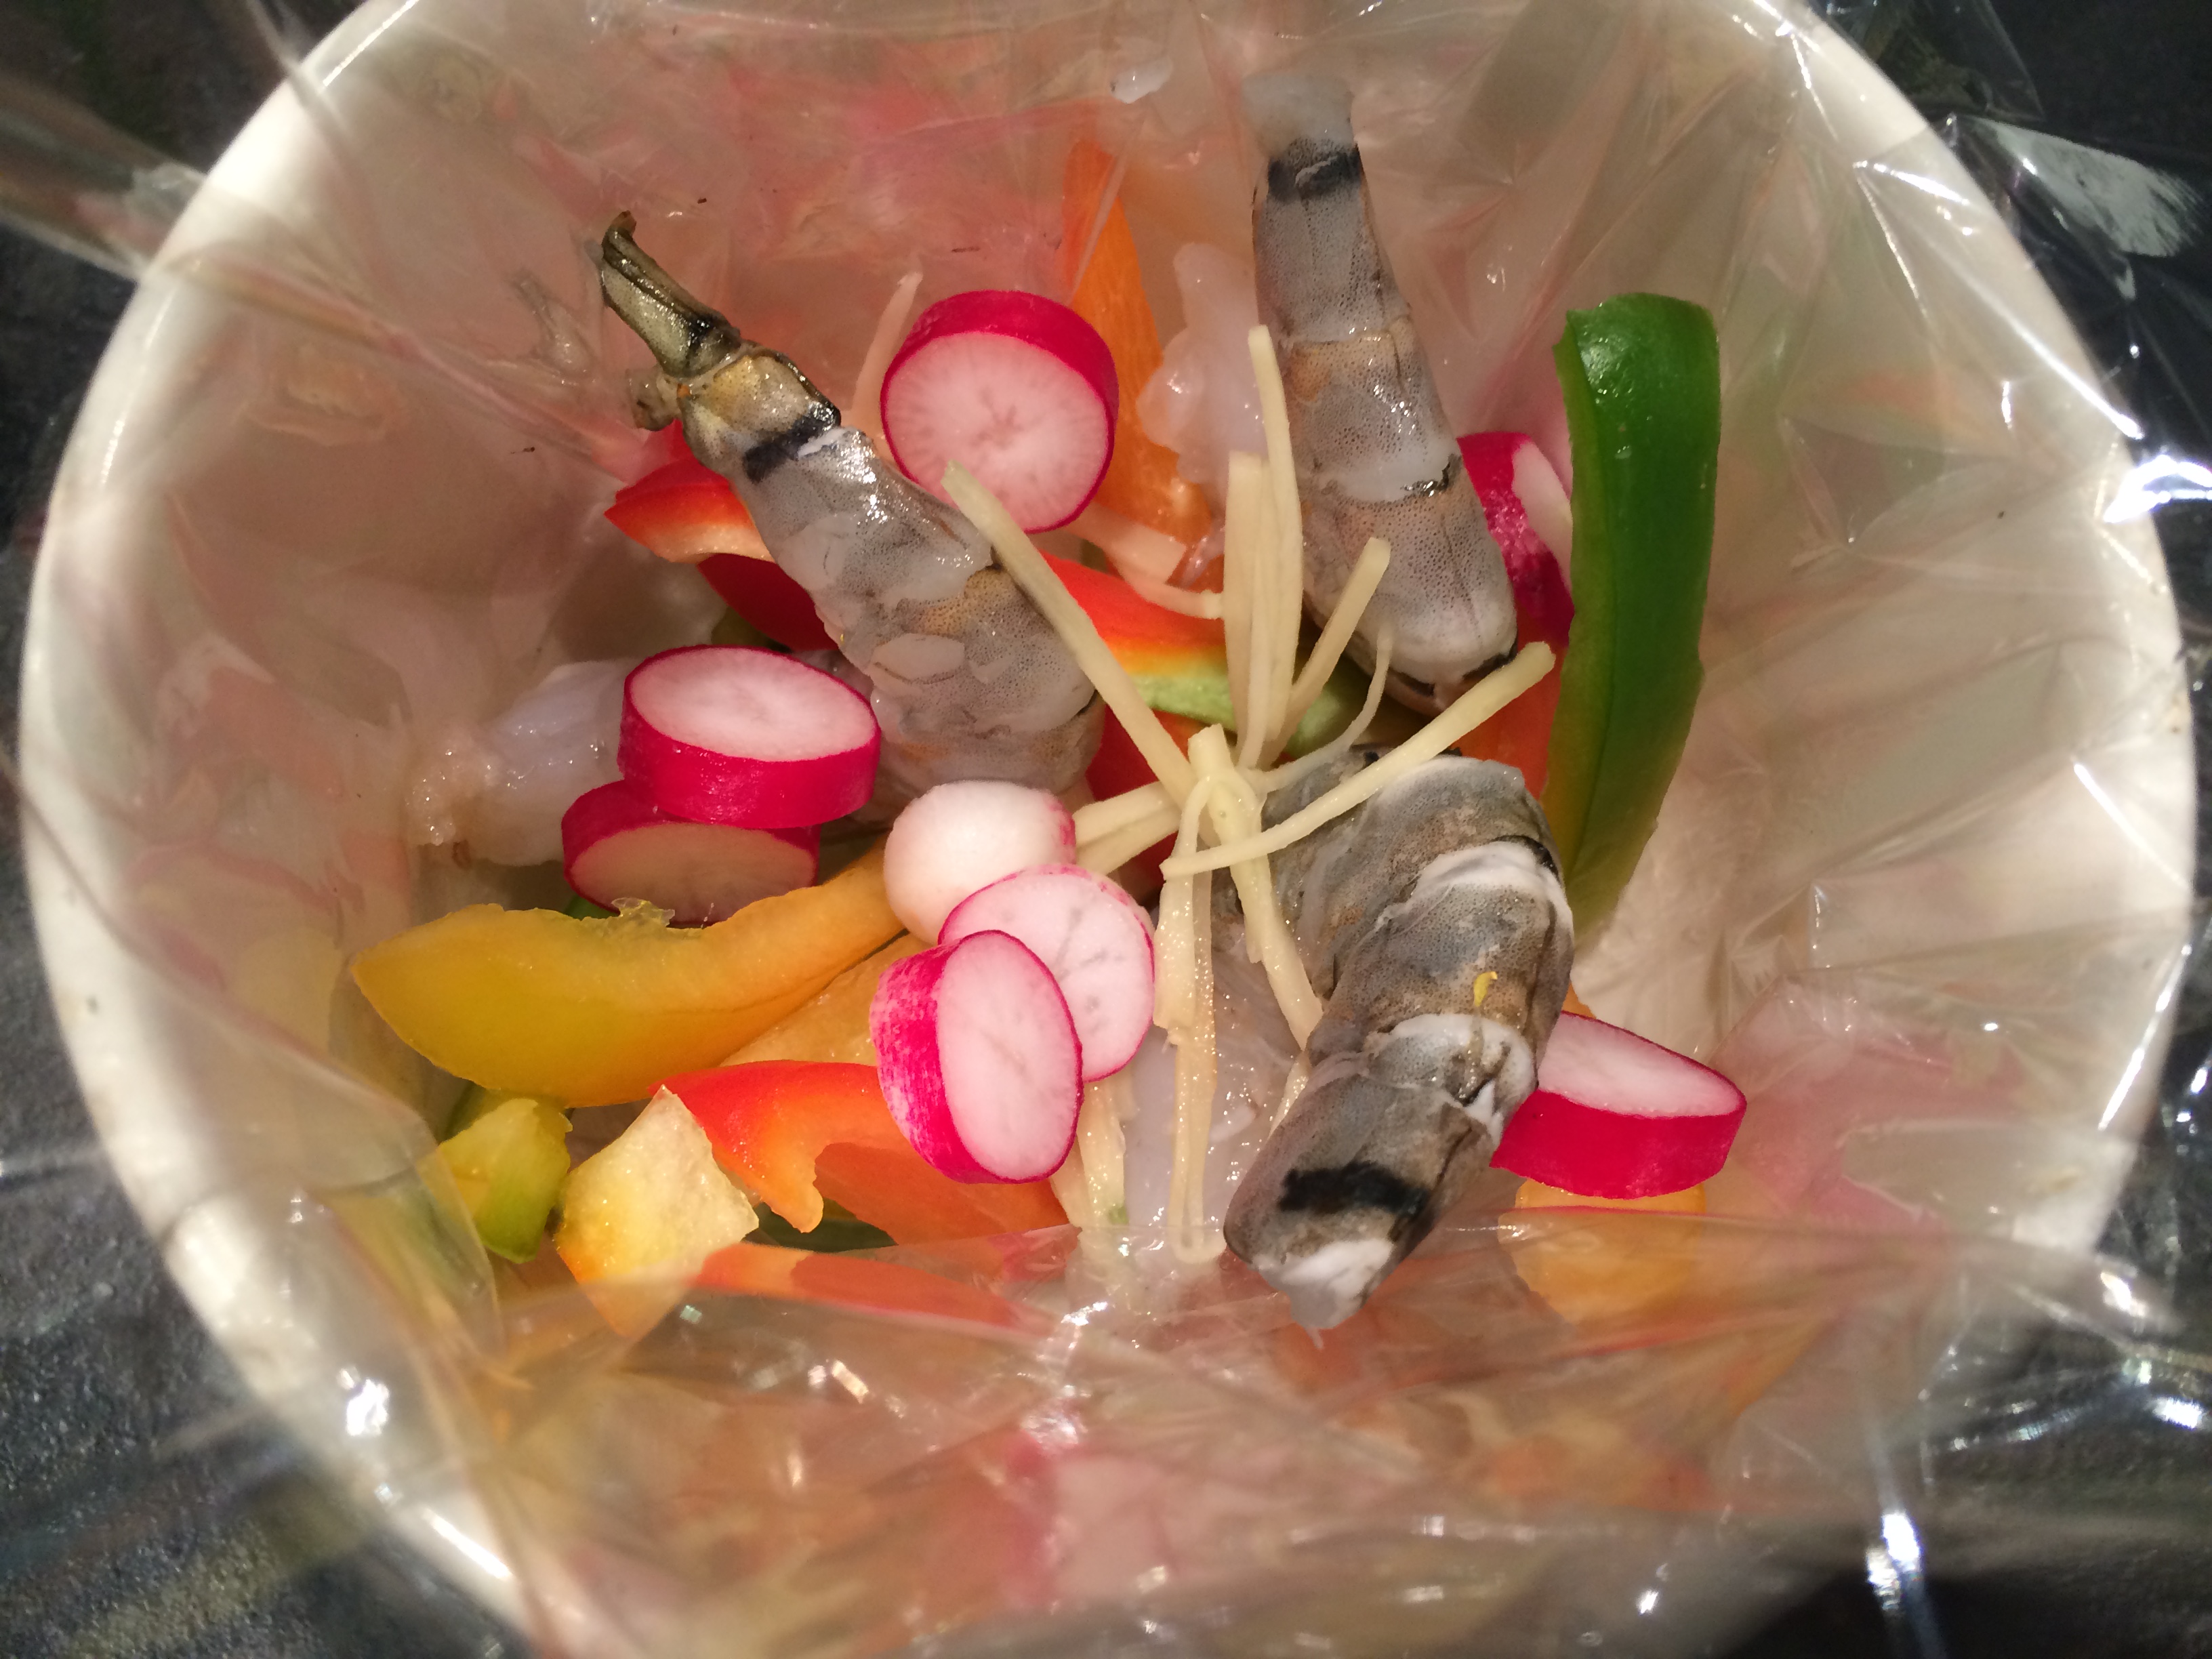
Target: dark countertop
<point x="147" y="1505"/>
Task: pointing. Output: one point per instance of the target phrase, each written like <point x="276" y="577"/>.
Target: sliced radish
<point x="958" y="838"/>
<point x="979" y="1059"/>
<point x="618" y="845"/>
<point x="1018" y="389"/>
<point x="724" y="734"/>
<point x="1094" y="939"/>
<point x="761" y="591"/>
<point x="1526" y="507"/>
<point x="1615" y="1117"/>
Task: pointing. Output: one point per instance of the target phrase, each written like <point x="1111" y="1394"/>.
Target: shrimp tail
<point x="689" y="340"/>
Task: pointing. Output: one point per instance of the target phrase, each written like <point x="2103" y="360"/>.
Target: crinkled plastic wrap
<point x="1922" y="886"/>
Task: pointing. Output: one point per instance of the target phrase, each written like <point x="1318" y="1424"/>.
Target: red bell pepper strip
<point x="793" y="1132"/>
<point x="687" y="513"/>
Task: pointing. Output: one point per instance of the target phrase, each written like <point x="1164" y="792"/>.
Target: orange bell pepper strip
<point x="1142" y="482"/>
<point x="794" y="1131"/>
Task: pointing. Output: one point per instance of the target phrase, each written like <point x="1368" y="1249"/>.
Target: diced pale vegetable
<point x="509" y="1161"/>
<point x="654" y="1201"/>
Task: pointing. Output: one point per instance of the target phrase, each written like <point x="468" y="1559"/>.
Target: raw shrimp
<point x="1374" y="456"/>
<point x="966" y="678"/>
<point x="501" y="787"/>
<point x="1432" y="920"/>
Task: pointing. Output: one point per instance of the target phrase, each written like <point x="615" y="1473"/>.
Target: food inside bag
<point x="1412" y="911"/>
<point x="998" y="1129"/>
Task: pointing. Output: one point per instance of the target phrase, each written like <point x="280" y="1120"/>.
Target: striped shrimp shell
<point x="1432" y="920"/>
<point x="1375" y="454"/>
<point x="968" y="680"/>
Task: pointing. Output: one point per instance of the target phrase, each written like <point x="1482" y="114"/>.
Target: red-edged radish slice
<point x="618" y="845"/>
<point x="1018" y="389"/>
<point x="724" y="734"/>
<point x="979" y="1059"/>
<point x="762" y="592"/>
<point x="958" y="838"/>
<point x="1526" y="507"/>
<point x="1094" y="939"/>
<point x="1615" y="1117"/>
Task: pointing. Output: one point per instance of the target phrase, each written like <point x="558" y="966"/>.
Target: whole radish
<point x="958" y="838"/>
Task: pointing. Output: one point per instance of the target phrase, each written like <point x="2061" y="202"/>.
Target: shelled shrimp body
<point x="1432" y="921"/>
<point x="1375" y="454"/>
<point x="967" y="679"/>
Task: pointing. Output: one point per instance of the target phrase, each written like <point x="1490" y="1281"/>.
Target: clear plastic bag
<point x="1923" y="885"/>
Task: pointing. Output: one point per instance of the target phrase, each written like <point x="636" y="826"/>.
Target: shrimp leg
<point x="1433" y="921"/>
<point x="1374" y="453"/>
<point x="967" y="679"/>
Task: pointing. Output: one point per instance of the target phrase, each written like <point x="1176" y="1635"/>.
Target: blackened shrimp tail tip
<point x="1432" y="920"/>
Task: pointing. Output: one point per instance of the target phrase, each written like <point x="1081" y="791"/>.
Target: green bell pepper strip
<point x="1641" y="376"/>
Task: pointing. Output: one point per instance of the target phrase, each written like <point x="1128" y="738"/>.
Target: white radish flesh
<point x="958" y="838"/>
<point x="618" y="845"/>
<point x="1528" y="515"/>
<point x="1094" y="939"/>
<point x="1544" y="500"/>
<point x="724" y="734"/>
<point x="1615" y="1117"/>
<point x="1016" y="388"/>
<point x="980" y="1062"/>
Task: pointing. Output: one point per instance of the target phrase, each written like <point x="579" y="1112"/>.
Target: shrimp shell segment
<point x="1375" y="454"/>
<point x="1432" y="920"/>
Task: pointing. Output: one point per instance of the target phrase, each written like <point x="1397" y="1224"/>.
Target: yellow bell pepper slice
<point x="593" y="1011"/>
